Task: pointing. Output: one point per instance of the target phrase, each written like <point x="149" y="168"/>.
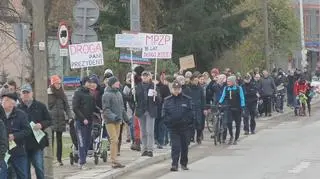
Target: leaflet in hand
<point x="7" y="157"/>
<point x="12" y="144"/>
<point x="38" y="134"/>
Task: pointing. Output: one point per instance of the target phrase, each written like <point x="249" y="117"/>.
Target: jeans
<point x="59" y="144"/>
<point x="159" y="131"/>
<point x="180" y="141"/>
<point x="113" y="132"/>
<point x="250" y="113"/>
<point x="3" y="170"/>
<point x="84" y="140"/>
<point x="19" y="166"/>
<point x="132" y="129"/>
<point x="36" y="159"/>
<point x="147" y="131"/>
<point x="290" y="98"/>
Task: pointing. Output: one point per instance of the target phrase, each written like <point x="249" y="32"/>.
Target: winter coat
<point x="38" y="113"/>
<point x="233" y="96"/>
<point x="164" y="92"/>
<point x="58" y="106"/>
<point x="17" y="124"/>
<point x="146" y="103"/>
<point x="113" y="107"/>
<point x="198" y="101"/>
<point x="290" y="85"/>
<point x="250" y="92"/>
<point x="3" y="140"/>
<point x="177" y="112"/>
<point x="214" y="92"/>
<point x="84" y="105"/>
<point x="267" y="86"/>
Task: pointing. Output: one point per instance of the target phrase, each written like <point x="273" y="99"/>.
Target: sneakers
<point x="145" y="153"/>
<point x="235" y="142"/>
<point x="150" y="154"/>
<point x="246" y="133"/>
<point x="83" y="167"/>
<point x="184" y="167"/>
<point x="174" y="168"/>
<point x="117" y="165"/>
<point x="230" y="141"/>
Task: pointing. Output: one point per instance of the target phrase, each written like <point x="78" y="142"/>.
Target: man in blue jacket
<point x="18" y="129"/>
<point x="233" y="97"/>
<point x="178" y="115"/>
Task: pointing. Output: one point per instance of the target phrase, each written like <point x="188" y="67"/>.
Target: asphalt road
<point x="282" y="149"/>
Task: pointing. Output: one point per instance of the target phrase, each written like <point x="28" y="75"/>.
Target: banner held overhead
<point x="156" y="46"/>
<point x="86" y="55"/>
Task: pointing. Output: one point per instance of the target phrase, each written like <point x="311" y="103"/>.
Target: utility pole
<point x="266" y="35"/>
<point x="41" y="70"/>
<point x="303" y="50"/>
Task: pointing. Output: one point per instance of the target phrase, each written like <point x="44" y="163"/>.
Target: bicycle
<point x="215" y="123"/>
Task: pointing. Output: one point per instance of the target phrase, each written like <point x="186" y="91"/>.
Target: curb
<point x="138" y="164"/>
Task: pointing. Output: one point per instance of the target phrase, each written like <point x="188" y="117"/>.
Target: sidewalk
<point x="134" y="161"/>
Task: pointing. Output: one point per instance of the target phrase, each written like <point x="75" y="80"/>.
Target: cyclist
<point x="233" y="96"/>
<point x="301" y="88"/>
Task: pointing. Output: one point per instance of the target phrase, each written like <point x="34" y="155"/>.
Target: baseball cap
<point x="26" y="88"/>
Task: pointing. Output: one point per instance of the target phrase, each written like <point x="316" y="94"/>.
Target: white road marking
<point x="299" y="168"/>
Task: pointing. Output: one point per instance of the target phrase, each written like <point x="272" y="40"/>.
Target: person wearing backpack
<point x="233" y="97"/>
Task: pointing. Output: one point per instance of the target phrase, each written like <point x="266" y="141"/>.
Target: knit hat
<point x="232" y="78"/>
<point x="26" y="88"/>
<point x="95" y="79"/>
<point x="138" y="70"/>
<point x="55" y="79"/>
<point x="12" y="96"/>
<point x="188" y="74"/>
<point x="85" y="79"/>
<point x="108" y="71"/>
<point x="112" y="81"/>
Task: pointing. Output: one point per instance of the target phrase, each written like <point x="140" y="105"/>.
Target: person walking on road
<point x="178" y="116"/>
<point x="58" y="106"/>
<point x="114" y="112"/>
<point x="234" y="98"/>
<point x="146" y="110"/>
<point x="267" y="90"/>
<point x="84" y="107"/>
<point x="251" y="96"/>
<point x="3" y="150"/>
<point x="18" y="130"/>
<point x="38" y="114"/>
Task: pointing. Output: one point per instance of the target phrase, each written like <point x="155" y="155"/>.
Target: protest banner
<point x="156" y="46"/>
<point x="86" y="55"/>
<point x="187" y="62"/>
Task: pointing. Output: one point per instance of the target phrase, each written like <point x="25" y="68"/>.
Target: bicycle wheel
<point x="217" y="135"/>
<point x="210" y="122"/>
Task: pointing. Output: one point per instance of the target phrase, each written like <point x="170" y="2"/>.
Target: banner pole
<point x="132" y="75"/>
<point x="155" y="78"/>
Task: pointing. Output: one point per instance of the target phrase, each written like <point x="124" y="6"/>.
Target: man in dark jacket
<point x="281" y="83"/>
<point x="159" y="125"/>
<point x="267" y="89"/>
<point x="147" y="107"/>
<point x="39" y="115"/>
<point x="198" y="100"/>
<point x="3" y="150"/>
<point x="178" y="115"/>
<point x="18" y="129"/>
<point x="251" y="96"/>
<point x="84" y="106"/>
<point x="290" y="94"/>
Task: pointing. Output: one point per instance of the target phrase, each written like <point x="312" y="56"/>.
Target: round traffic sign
<point x="63" y="35"/>
<point x="86" y="12"/>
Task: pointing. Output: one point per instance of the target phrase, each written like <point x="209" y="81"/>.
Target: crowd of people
<point x="159" y="109"/>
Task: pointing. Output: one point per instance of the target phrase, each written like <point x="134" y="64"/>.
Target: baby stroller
<point x="99" y="145"/>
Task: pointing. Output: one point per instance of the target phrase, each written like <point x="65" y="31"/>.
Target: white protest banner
<point x="128" y="41"/>
<point x="86" y="55"/>
<point x="156" y="46"/>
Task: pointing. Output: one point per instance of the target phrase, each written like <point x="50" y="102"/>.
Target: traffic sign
<point x="63" y="35"/>
<point x="86" y="10"/>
